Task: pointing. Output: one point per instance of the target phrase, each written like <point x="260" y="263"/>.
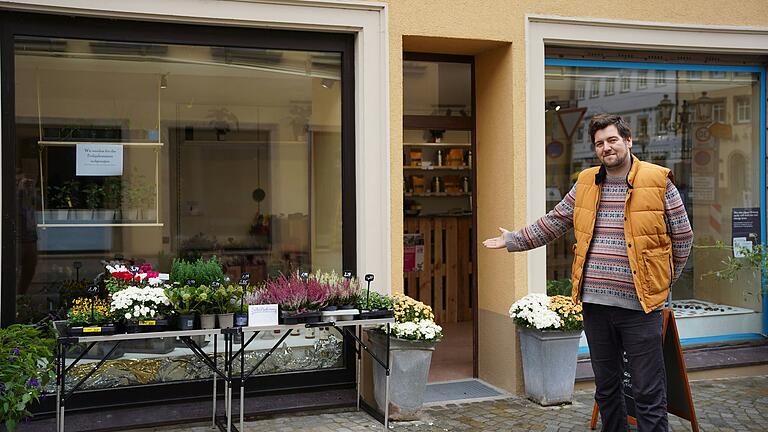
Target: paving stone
<point x="732" y="404"/>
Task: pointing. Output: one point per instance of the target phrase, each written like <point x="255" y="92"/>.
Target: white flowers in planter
<point x="533" y="311"/>
<point x="134" y="303"/>
<point x="422" y="330"/>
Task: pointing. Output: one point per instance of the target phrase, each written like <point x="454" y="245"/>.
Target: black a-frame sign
<point x="679" y="398"/>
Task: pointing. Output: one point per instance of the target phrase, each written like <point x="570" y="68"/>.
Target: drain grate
<point x="455" y="390"/>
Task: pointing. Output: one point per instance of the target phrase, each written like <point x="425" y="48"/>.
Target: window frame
<point x="134" y="31"/>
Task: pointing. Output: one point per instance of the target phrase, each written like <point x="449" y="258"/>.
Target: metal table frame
<point x="225" y="372"/>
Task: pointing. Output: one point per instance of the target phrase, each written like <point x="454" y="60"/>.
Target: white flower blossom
<point x="533" y="311"/>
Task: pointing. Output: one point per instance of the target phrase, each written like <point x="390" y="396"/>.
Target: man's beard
<point x="617" y="163"/>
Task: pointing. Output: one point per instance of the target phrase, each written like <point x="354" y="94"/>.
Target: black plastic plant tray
<point x="94" y="330"/>
<point x="301" y="318"/>
<point x="381" y="313"/>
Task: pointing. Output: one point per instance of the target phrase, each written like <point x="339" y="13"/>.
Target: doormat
<point x="458" y="390"/>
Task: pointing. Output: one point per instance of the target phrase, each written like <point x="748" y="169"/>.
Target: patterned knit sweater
<point x="607" y="276"/>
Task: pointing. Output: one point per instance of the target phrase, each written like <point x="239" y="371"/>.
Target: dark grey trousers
<point x="610" y="331"/>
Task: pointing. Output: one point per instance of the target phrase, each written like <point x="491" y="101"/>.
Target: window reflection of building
<point x="683" y="125"/>
<point x="580" y="90"/>
<point x="594" y="88"/>
<point x="743" y="109"/>
<point x="625" y="82"/>
<point x="642" y="79"/>
<point x="718" y="112"/>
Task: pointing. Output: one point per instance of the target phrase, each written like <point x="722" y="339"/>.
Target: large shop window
<point x="155" y="151"/>
<point x="704" y="124"/>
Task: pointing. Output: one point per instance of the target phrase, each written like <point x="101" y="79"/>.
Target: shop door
<point x="438" y="202"/>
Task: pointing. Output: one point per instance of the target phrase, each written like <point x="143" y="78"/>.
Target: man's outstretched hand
<point x="496" y="242"/>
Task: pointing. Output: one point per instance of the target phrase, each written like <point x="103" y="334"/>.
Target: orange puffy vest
<point x="649" y="245"/>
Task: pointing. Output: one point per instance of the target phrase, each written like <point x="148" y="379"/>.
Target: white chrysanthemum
<point x="533" y="310"/>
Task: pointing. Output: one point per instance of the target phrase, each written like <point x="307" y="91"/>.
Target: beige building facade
<point x="509" y="43"/>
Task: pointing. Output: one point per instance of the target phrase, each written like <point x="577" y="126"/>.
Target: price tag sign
<point x="93" y="290"/>
<point x="369" y="277"/>
<point x="304" y="275"/>
<point x="215" y="284"/>
<point x="134" y="269"/>
<point x="262" y="315"/>
<point x="147" y="323"/>
<point x="245" y="276"/>
<point x="91" y="329"/>
<point x="191" y="282"/>
<point x="243" y="283"/>
<point x="347" y="274"/>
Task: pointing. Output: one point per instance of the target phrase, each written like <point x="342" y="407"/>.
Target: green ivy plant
<point x="26" y="367"/>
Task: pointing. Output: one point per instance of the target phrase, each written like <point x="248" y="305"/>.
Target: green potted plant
<point x="201" y="271"/>
<point x="185" y="302"/>
<point x="94" y="196"/>
<point x="26" y="369"/>
<point x="137" y="195"/>
<point x="205" y="305"/>
<point x="112" y="191"/>
<point x="58" y="202"/>
<point x="226" y="302"/>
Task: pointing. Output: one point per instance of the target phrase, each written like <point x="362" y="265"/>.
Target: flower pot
<point x="91" y="330"/>
<point x="290" y="317"/>
<point x="186" y="322"/>
<point x="131" y="214"/>
<point x="226" y="320"/>
<point x="149" y="215"/>
<point x="409" y="366"/>
<point x="82" y="214"/>
<point x="147" y="326"/>
<point x="207" y="321"/>
<point x="241" y="320"/>
<point x="107" y="215"/>
<point x="340" y="315"/>
<point x="375" y="314"/>
<point x="549" y="364"/>
<point x="58" y="215"/>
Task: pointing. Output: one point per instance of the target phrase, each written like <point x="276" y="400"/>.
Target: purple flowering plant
<point x="26" y="367"/>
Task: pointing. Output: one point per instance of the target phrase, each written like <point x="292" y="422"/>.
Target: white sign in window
<point x="99" y="160"/>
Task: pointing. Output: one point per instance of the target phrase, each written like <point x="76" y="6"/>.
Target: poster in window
<point x="99" y="160"/>
<point x="413" y="249"/>
<point x="745" y="229"/>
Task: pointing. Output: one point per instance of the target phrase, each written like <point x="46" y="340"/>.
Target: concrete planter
<point x="409" y="366"/>
<point x="549" y="364"/>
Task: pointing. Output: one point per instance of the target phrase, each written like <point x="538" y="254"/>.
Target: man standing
<point x="633" y="238"/>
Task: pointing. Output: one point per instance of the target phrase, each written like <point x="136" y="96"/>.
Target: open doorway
<point x="439" y="205"/>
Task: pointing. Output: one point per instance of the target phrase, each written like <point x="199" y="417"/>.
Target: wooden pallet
<point x="446" y="281"/>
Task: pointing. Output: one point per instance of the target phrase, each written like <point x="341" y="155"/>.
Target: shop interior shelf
<point x="437" y="167"/>
<point x="438" y="194"/>
<point x="440" y="144"/>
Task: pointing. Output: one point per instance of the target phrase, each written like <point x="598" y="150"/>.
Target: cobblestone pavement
<point x="732" y="404"/>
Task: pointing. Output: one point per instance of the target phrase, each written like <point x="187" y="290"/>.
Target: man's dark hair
<point x="602" y="121"/>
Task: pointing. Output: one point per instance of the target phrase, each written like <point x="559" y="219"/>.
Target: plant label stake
<point x="243" y="285"/>
<point x="92" y="291"/>
<point x="369" y="279"/>
<point x="191" y="282"/>
<point x="77" y="265"/>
